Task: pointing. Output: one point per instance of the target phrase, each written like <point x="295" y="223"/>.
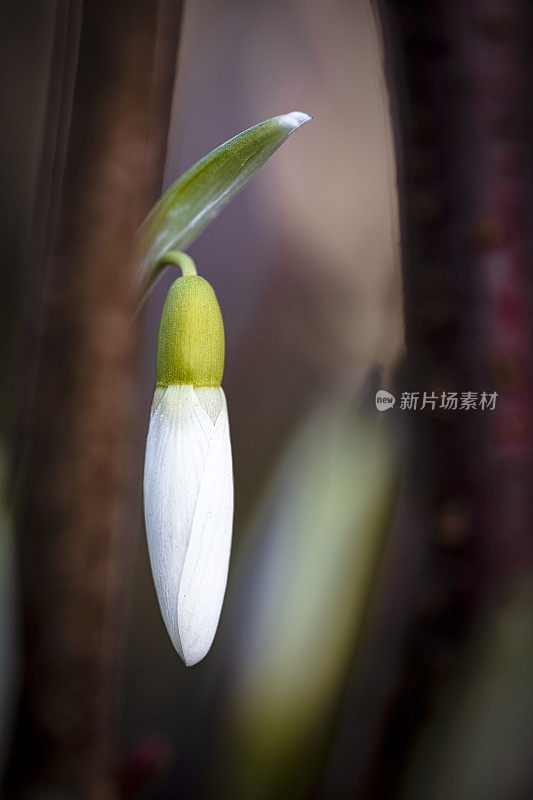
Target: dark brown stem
<point x="462" y="72"/>
<point x="76" y="499"/>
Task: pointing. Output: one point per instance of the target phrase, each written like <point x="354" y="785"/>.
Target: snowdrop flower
<point x="188" y="477"/>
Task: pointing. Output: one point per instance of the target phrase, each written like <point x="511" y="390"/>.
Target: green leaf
<point x="199" y="195"/>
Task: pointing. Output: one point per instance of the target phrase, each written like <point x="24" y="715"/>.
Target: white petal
<point x="188" y="496"/>
<point x="203" y="580"/>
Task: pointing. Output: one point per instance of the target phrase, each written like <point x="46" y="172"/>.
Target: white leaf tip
<point x="294" y="119"/>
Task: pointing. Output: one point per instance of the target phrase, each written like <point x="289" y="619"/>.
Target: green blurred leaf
<point x="317" y="540"/>
<point x="199" y="195"/>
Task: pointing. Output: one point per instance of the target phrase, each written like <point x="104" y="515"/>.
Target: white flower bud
<point x="188" y="477"/>
<point x="188" y="500"/>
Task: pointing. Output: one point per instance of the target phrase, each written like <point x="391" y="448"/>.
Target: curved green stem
<point x="177" y="259"/>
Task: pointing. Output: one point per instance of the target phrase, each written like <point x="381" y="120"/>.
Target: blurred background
<point x="376" y="639"/>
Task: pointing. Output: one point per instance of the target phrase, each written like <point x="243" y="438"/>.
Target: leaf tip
<point x="294" y="119"/>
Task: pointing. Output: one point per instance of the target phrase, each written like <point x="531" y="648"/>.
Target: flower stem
<point x="177" y="259"/>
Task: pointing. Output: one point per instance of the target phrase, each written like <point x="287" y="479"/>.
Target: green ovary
<point x="190" y="348"/>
